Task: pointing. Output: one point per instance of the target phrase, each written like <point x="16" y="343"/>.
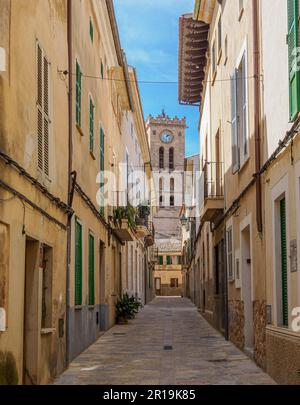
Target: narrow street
<point x="168" y="343"/>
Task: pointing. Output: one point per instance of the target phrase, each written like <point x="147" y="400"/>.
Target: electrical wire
<point x="65" y="72"/>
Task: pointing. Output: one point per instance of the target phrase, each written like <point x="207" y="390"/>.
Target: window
<point x="226" y="50"/>
<point x="172" y="185"/>
<point x="91" y="126"/>
<point x="91" y="270"/>
<point x="102" y="70"/>
<point x="161" y="201"/>
<point x="293" y="43"/>
<point x="171" y="158"/>
<point x="213" y="58"/>
<point x="46" y="267"/>
<point x="91" y="30"/>
<point x="241" y="8"/>
<point x="78" y="94"/>
<point x="78" y="263"/>
<point x="230" y="255"/>
<point x="172" y="201"/>
<point x="102" y="138"/>
<point x="219" y="37"/>
<point x="43" y="113"/>
<point x="161" y="260"/>
<point x="284" y="272"/>
<point x="154" y="133"/>
<point x="239" y="115"/>
<point x="169" y="261"/>
<point x="237" y="273"/>
<point x="174" y="283"/>
<point x="179" y="259"/>
<point x="161" y="158"/>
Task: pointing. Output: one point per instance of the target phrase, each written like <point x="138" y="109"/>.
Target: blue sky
<point x="149" y="36"/>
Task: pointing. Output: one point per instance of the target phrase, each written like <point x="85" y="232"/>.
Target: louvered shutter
<point x="234" y="131"/>
<point x="78" y="263"/>
<point x="43" y="119"/>
<point x="91" y="125"/>
<point x="78" y="94"/>
<point x="293" y="43"/>
<point x="91" y="270"/>
<point x="284" y="273"/>
<point x="40" y="106"/>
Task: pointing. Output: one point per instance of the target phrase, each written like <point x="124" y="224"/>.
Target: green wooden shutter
<point x="78" y="94"/>
<point x="91" y="270"/>
<point x="91" y="125"/>
<point x="284" y="275"/>
<point x="293" y="43"/>
<point x="78" y="263"/>
<point x="101" y="171"/>
<point x="161" y="260"/>
<point x="91" y="30"/>
<point x="168" y="260"/>
<point x="102" y="70"/>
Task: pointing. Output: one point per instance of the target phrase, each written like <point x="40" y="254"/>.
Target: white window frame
<point x="243" y="158"/>
<point x="229" y="227"/>
<point x="237" y="262"/>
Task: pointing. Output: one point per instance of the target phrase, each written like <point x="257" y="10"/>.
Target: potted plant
<point x="127" y="213"/>
<point x="127" y="307"/>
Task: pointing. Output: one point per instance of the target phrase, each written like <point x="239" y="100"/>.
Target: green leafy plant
<point x="128" y="213"/>
<point x="143" y="210"/>
<point x="127" y="307"/>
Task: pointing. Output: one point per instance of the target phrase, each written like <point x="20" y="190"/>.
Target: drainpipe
<point x="256" y="62"/>
<point x="71" y="177"/>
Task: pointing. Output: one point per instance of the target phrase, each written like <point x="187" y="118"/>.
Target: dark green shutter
<point x="91" y="125"/>
<point x="168" y="260"/>
<point x="78" y="94"/>
<point x="284" y="275"/>
<point x="102" y="70"/>
<point x="293" y="43"/>
<point x="101" y="171"/>
<point x="91" y="270"/>
<point x="161" y="260"/>
<point x="78" y="263"/>
<point x="91" y="30"/>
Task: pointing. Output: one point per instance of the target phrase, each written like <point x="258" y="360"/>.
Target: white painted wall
<point x="275" y="71"/>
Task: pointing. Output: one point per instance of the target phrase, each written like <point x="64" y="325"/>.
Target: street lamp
<point x="184" y="220"/>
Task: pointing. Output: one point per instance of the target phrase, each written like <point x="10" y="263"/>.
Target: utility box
<point x="2" y="60"/>
<point x="2" y="320"/>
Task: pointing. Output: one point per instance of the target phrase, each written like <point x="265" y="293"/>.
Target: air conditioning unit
<point x="2" y="60"/>
<point x="2" y="320"/>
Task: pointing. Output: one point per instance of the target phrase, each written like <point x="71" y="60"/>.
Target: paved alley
<point x="168" y="343"/>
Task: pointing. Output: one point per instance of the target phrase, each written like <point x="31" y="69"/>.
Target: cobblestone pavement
<point x="138" y="353"/>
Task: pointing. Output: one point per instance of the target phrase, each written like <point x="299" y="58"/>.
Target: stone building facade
<point x="167" y="147"/>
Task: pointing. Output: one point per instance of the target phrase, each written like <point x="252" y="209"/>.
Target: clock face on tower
<point x="166" y="137"/>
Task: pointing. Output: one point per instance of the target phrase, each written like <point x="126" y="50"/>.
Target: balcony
<point x="123" y="223"/>
<point x="212" y="192"/>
